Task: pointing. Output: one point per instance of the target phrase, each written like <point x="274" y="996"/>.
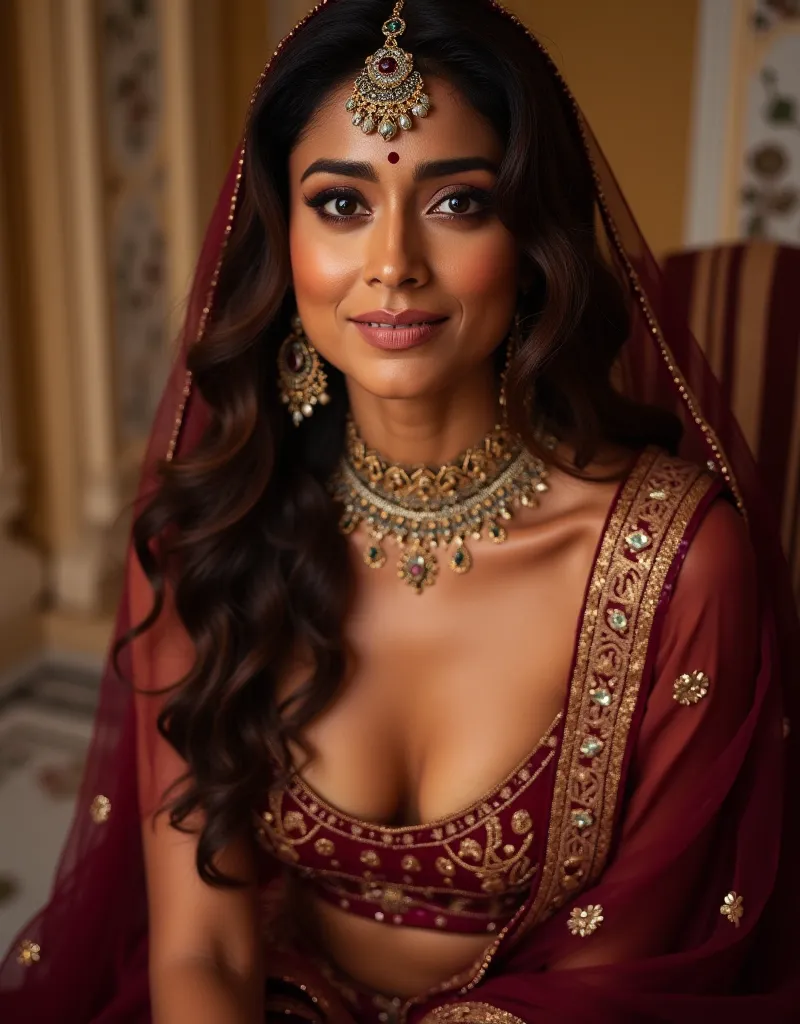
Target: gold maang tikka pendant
<point x="389" y="92"/>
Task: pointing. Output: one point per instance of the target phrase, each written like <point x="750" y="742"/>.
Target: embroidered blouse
<point x="544" y="833"/>
<point x="469" y="872"/>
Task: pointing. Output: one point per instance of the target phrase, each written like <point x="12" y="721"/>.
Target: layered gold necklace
<point x="426" y="509"/>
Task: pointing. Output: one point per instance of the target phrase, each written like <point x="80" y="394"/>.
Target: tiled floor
<point x="45" y="726"/>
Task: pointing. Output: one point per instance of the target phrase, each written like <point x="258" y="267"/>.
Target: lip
<point x="413" y="327"/>
<point x="405" y="316"/>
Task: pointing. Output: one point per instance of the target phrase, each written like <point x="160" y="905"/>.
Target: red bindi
<point x="394" y="158"/>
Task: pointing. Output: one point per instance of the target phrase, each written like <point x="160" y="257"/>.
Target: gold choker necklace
<point x="424" y="509"/>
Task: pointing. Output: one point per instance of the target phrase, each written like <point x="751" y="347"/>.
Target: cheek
<point x="322" y="267"/>
<point x="485" y="264"/>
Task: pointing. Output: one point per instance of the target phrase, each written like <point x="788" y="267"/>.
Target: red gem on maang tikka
<point x="389" y="93"/>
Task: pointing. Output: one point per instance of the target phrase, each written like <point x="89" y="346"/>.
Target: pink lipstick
<point x="398" y="330"/>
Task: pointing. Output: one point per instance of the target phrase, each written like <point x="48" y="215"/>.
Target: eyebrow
<point x="422" y="172"/>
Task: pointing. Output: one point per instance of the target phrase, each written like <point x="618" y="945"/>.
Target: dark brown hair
<point x="247" y="534"/>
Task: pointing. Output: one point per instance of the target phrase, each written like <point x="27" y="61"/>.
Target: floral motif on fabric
<point x="733" y="908"/>
<point x="690" y="688"/>
<point x="584" y="921"/>
<point x="29" y="953"/>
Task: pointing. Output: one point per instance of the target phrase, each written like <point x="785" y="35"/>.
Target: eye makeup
<point x="472" y="193"/>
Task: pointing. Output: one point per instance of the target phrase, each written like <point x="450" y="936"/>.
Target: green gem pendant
<point x="461" y="561"/>
<point x="394" y="27"/>
<point x="375" y="556"/>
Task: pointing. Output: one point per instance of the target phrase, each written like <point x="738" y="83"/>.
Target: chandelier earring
<point x="302" y="380"/>
<point x="512" y="347"/>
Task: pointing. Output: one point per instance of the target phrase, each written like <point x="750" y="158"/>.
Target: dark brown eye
<point x="458" y="204"/>
<point x="344" y="206"/>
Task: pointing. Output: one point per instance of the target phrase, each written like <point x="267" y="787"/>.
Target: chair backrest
<point x="743" y="303"/>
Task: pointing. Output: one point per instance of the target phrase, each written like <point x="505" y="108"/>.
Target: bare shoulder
<point x="589" y="491"/>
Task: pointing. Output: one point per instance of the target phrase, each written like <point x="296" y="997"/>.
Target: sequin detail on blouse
<point x="466" y="873"/>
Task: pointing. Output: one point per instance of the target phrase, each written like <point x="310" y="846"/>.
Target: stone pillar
<point x="20" y="566"/>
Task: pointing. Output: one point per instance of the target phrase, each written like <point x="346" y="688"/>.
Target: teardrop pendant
<point x="374" y="555"/>
<point x="461" y="561"/>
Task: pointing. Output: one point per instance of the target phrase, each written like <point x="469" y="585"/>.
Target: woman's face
<point x="405" y="225"/>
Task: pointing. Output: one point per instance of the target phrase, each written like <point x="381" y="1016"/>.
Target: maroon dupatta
<point x="707" y="811"/>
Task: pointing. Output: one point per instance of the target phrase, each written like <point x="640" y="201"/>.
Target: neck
<point x="427" y="429"/>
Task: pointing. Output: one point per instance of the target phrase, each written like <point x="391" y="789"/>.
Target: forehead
<point x="452" y="129"/>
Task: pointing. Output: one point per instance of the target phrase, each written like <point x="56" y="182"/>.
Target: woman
<point x="385" y="769"/>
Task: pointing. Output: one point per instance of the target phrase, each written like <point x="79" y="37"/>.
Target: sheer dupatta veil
<point x="84" y="957"/>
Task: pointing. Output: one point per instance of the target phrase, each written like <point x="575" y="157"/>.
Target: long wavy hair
<point x="242" y="527"/>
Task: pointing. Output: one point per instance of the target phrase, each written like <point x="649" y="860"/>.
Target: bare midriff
<point x="394" y="961"/>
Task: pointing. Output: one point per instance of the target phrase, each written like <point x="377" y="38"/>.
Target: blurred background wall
<point x="117" y="121"/>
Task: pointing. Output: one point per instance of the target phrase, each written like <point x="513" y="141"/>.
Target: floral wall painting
<point x="139" y="279"/>
<point x="129" y="34"/>
<point x="767" y="13"/>
<point x="769" y="196"/>
<point x="130" y="41"/>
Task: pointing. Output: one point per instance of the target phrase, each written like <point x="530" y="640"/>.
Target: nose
<point x="395" y="255"/>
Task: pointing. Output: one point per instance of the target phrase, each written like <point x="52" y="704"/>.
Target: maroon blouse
<point x="469" y="872"/>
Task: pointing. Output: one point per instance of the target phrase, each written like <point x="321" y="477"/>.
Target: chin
<point x="401" y="386"/>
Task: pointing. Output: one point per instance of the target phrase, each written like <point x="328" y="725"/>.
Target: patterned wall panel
<point x="132" y="97"/>
<point x="769" y="188"/>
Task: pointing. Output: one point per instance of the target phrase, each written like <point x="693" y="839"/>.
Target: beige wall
<point x="630" y="64"/>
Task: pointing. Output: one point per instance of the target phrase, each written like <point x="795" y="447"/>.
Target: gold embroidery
<point x="295" y="822"/>
<point x="470" y="850"/>
<point x="29" y="953"/>
<point x="690" y="688"/>
<point x="445" y="867"/>
<point x="100" y="809"/>
<point x="733" y="908"/>
<point x="470" y="1013"/>
<point x="274" y="830"/>
<point x="497" y="873"/>
<point x="324" y="847"/>
<point x="410" y="863"/>
<point x="608" y="673"/>
<point x="584" y="921"/>
<point x="521" y="822"/>
<point x="370" y="858"/>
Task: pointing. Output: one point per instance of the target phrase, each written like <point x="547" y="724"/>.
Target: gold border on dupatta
<point x="659" y="500"/>
<point x="659" y="497"/>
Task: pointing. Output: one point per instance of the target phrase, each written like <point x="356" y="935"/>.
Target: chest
<point x="449" y="690"/>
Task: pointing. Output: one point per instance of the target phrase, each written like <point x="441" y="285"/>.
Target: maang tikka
<point x="302" y="380"/>
<point x="389" y="91"/>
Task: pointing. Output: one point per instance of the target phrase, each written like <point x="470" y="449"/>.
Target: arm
<point x="711" y="625"/>
<point x="204" y="947"/>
